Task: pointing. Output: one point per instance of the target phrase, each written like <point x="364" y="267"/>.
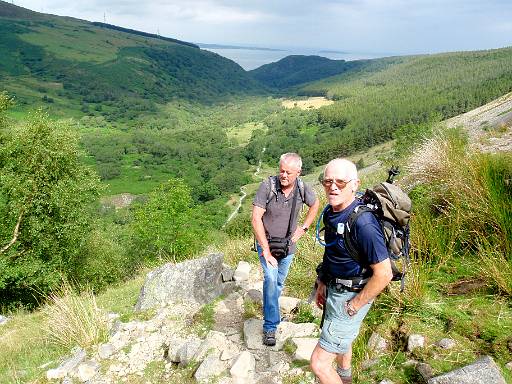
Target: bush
<point x="163" y="227"/>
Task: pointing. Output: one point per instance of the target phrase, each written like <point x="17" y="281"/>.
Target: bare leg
<point x="344" y="361"/>
<point x="321" y="365"/>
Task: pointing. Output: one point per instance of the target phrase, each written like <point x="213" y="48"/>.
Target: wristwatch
<point x="305" y="228"/>
<point x="349" y="308"/>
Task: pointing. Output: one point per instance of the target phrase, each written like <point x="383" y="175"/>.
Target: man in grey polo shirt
<point x="272" y="207"/>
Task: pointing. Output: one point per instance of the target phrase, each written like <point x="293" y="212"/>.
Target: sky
<point x="387" y="26"/>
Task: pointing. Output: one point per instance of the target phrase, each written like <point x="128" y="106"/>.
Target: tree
<point x="163" y="227"/>
<point x="45" y="193"/>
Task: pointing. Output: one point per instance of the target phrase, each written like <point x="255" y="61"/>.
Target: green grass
<point x="242" y="134"/>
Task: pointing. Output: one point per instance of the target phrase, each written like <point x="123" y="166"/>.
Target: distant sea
<point x="250" y="58"/>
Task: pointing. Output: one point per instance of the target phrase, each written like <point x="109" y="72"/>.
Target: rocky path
<point x="165" y="348"/>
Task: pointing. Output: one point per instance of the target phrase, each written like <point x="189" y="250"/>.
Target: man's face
<point x="288" y="173"/>
<point x="340" y="191"/>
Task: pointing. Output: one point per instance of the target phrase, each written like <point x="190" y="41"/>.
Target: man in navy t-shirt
<point x="346" y="288"/>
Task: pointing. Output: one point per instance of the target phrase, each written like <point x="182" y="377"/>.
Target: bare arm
<point x="310" y="216"/>
<point x="259" y="232"/>
<point x="381" y="277"/>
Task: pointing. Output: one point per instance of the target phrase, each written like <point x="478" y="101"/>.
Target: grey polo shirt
<point x="278" y="209"/>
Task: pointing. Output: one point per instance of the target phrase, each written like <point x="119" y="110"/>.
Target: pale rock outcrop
<point x="482" y="371"/>
<point x="196" y="280"/>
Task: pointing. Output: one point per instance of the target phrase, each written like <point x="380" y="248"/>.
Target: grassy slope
<point x="74" y="62"/>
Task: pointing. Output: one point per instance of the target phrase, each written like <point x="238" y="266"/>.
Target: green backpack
<point x="392" y="209"/>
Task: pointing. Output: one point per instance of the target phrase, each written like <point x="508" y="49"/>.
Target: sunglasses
<point x="340" y="184"/>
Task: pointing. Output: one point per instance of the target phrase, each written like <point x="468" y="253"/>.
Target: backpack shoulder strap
<point x="348" y="234"/>
<point x="302" y="191"/>
<point x="272" y="188"/>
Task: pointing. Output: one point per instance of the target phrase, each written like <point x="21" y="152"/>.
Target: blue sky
<point x="391" y="26"/>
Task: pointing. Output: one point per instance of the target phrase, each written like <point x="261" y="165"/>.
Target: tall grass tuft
<point x="462" y="205"/>
<point x="75" y="319"/>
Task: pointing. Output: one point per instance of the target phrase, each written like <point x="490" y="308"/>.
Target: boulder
<point x="254" y="295"/>
<point x="196" y="280"/>
<point x="3" y="320"/>
<point x="482" y="371"/>
<point x="105" y="350"/>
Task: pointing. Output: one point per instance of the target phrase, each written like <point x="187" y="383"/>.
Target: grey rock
<point x="482" y="371"/>
<point x="288" y="304"/>
<point x="197" y="280"/>
<point x="210" y="367"/>
<point x="87" y="370"/>
<point x="228" y="288"/>
<point x="254" y="295"/>
<point x="3" y="320"/>
<point x="377" y="344"/>
<point x="227" y="274"/>
<point x="446" y="343"/>
<point x="78" y="356"/>
<point x="304" y="347"/>
<point x="253" y="333"/>
<point x="366" y="364"/>
<point x="415" y="341"/>
<point x="425" y="370"/>
<point x="509" y="365"/>
<point x="386" y="381"/>
<point x="243" y="367"/>
<point x="188" y="351"/>
<point x="105" y="350"/>
<point x="242" y="271"/>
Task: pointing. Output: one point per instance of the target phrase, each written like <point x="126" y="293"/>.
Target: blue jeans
<point x="273" y="283"/>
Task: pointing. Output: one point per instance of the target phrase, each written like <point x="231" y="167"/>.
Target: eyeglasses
<point x="340" y="184"/>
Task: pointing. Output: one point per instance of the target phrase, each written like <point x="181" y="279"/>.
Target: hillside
<point x="296" y="69"/>
<point x="74" y="65"/>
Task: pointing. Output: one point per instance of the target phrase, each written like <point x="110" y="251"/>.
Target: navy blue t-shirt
<point x="368" y="238"/>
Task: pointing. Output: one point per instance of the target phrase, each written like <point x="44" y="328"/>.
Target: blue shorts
<point x="339" y="329"/>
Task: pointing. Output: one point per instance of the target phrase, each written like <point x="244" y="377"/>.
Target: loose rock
<point x="415" y="341"/>
<point x="242" y="271"/>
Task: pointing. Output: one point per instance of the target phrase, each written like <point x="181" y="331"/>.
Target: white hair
<point x="291" y="158"/>
<point x="348" y="167"/>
